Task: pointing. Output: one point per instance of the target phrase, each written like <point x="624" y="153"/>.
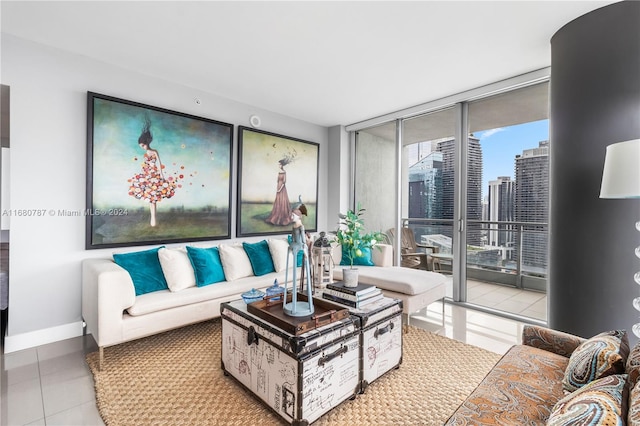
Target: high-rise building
<point x="501" y="208"/>
<point x="474" y="184"/>
<point x="431" y="182"/>
<point x="417" y="151"/>
<point x="425" y="187"/>
<point x="532" y="203"/>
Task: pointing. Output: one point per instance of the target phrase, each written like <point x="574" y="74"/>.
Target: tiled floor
<point x="52" y="385"/>
<point x="49" y="385"/>
<point x="532" y="304"/>
<point x="476" y="328"/>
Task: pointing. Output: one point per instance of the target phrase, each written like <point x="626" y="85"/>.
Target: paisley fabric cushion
<point x="633" y="365"/>
<point x="600" y="356"/>
<point x="633" y="418"/>
<point x="601" y="402"/>
<point x="506" y="396"/>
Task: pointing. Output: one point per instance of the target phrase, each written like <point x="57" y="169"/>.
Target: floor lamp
<point x="621" y="179"/>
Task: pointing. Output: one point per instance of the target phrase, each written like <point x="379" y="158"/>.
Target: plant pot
<point x="350" y="277"/>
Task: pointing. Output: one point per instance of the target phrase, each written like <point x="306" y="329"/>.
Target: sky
<point x="500" y="147"/>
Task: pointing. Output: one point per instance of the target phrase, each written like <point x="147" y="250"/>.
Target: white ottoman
<point x="415" y="287"/>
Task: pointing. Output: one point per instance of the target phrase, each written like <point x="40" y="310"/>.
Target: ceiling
<point x="328" y="62"/>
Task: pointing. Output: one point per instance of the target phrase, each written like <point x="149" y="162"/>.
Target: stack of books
<point x="356" y="297"/>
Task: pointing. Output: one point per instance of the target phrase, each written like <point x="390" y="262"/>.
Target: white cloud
<point x="487" y="134"/>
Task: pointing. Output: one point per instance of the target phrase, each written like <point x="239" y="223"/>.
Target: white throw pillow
<point x="235" y="262"/>
<point x="177" y="268"/>
<point x="278" y="249"/>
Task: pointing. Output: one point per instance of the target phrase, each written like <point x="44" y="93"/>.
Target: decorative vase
<point x="350" y="277"/>
<point x="275" y="290"/>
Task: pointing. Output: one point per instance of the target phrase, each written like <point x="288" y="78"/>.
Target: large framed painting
<point x="154" y="175"/>
<point x="276" y="174"/>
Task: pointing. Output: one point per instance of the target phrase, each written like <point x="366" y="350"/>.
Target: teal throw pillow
<point x="364" y="260"/>
<point x="145" y="270"/>
<point x="260" y="257"/>
<point x="300" y="254"/>
<point x="206" y="265"/>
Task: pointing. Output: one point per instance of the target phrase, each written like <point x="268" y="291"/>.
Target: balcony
<point x="506" y="263"/>
<point x="526" y="303"/>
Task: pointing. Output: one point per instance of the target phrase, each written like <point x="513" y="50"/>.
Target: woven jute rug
<point x="175" y="378"/>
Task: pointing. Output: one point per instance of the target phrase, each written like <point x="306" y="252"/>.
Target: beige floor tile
<point x="511" y="305"/>
<point x="23" y="403"/>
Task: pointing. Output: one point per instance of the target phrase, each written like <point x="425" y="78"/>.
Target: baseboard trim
<point x="32" y="339"/>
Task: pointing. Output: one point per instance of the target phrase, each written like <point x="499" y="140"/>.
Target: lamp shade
<point x="621" y="175"/>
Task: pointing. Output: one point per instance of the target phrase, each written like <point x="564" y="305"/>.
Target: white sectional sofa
<point x="114" y="313"/>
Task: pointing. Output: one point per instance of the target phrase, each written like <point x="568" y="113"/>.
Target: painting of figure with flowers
<point x="275" y="174"/>
<point x="154" y="175"/>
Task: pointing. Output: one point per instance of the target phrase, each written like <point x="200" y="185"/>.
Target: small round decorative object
<point x="275" y="289"/>
<point x="252" y="296"/>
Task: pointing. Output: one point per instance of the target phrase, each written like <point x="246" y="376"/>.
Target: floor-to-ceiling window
<point x="508" y="202"/>
<point x="472" y="177"/>
<point x="429" y="179"/>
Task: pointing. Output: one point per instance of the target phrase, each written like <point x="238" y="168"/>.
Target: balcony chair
<point x="412" y="254"/>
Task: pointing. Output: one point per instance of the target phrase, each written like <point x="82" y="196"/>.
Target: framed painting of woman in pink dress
<point x="275" y="173"/>
<point x="155" y="175"/>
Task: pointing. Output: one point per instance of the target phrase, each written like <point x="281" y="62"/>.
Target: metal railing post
<point x="519" y="261"/>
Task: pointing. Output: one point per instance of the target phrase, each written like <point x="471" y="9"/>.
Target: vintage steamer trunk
<point x="381" y="338"/>
<point x="300" y="377"/>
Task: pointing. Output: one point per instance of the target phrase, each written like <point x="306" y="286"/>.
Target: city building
<point x="425" y="187"/>
<point x="500" y="208"/>
<point x="431" y="182"/>
<point x="474" y="184"/>
<point x="532" y="204"/>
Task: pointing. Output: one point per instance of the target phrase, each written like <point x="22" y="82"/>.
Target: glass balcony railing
<point x="506" y="253"/>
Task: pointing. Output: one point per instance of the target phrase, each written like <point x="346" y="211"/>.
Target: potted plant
<point x="355" y="242"/>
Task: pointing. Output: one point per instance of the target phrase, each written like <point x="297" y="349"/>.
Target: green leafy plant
<point x="350" y="235"/>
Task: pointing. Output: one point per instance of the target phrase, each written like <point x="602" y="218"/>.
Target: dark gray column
<point x="595" y="101"/>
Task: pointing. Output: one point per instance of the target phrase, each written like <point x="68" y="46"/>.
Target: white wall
<point x="338" y="179"/>
<point x="48" y="165"/>
<point x="4" y="190"/>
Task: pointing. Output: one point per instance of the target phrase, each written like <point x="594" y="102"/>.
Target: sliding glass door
<point x="469" y="179"/>
<point x="508" y="201"/>
<point x="429" y="180"/>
